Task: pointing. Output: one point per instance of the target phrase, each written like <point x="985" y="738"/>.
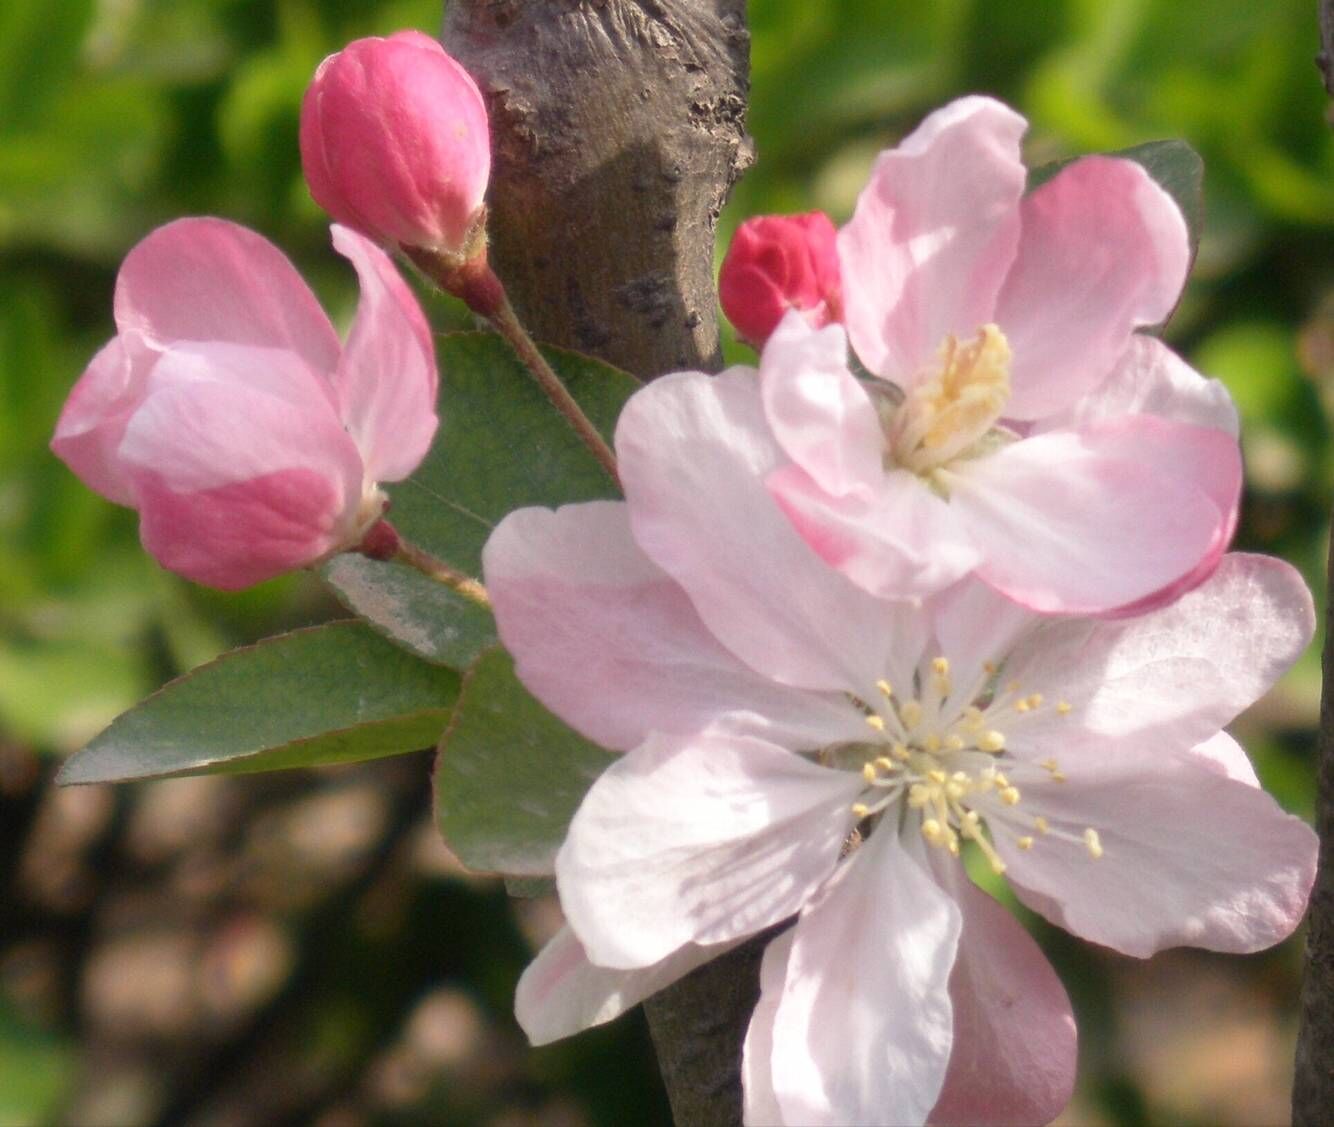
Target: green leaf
<point x="330" y="694"/>
<point x="1176" y="167"/>
<point x="510" y="775"/>
<point x="423" y="616"/>
<point x="500" y="446"/>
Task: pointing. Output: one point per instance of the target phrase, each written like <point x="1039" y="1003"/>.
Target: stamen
<point x="860" y="809"/>
<point x="868" y="772"/>
<point x="1093" y="842"/>
<point x="910" y="712"/>
<point x="1063" y="707"/>
<point x="992" y="741"/>
<point x="886" y="690"/>
<point x="1025" y="843"/>
<point x="1041" y="825"/>
<point x="876" y="722"/>
<point x="1010" y="796"/>
<point x="886" y="764"/>
<point x="900" y="752"/>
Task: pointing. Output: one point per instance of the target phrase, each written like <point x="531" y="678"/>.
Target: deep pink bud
<point x="394" y="143"/>
<point x="226" y="411"/>
<point x="777" y="263"/>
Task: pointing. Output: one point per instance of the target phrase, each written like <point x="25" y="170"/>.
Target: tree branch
<point x="618" y="130"/>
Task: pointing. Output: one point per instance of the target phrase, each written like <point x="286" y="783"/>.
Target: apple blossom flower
<point x="776" y="263"/>
<point x="395" y="143"/>
<point x="1020" y="428"/>
<point x="796" y="746"/>
<point x="227" y="413"/>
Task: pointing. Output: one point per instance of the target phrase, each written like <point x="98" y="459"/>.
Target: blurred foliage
<point x="118" y="115"/>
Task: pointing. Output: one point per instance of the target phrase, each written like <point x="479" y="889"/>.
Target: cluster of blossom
<point x="945" y="575"/>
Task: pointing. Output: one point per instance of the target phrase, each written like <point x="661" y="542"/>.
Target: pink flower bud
<point x="394" y="143"/>
<point x="228" y="414"/>
<point x="777" y="263"/>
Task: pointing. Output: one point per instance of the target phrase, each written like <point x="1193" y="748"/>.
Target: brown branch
<point x="1325" y="59"/>
<point x="618" y="129"/>
<point x="1313" y="1083"/>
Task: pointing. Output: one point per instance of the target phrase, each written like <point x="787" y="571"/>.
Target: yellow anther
<point x="919" y="794"/>
<point x="1094" y="843"/>
<point x="991" y="740"/>
<point x="1001" y="780"/>
<point x="860" y="809"/>
<point x="886" y="764"/>
<point x="1063" y="707"/>
<point x="1022" y="705"/>
<point x="953" y="846"/>
<point x="1010" y="796"/>
<point x="955" y="790"/>
<point x="953" y="743"/>
<point x="868" y="772"/>
<point x="1025" y="843"/>
<point x="1040" y="824"/>
<point x="886" y="690"/>
<point x="973" y="720"/>
<point x="876" y="722"/>
<point x="970" y="820"/>
<point x="941" y="666"/>
<point x="960" y="776"/>
<point x="1035" y="700"/>
<point x="932" y="831"/>
<point x="1058" y="776"/>
<point x="900" y="752"/>
<point x="910" y="712"/>
<point x="1050" y="765"/>
<point x="931" y="743"/>
<point x="937" y="776"/>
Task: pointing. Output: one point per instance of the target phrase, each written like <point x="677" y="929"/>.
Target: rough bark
<point x="618" y="129"/>
<point x="1313" y="1084"/>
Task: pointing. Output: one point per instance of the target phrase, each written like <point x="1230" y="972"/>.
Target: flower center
<point x="947" y="763"/>
<point x="945" y="415"/>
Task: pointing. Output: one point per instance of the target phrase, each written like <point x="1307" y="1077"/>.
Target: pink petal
<point x="694" y="452"/>
<point x="975" y="627"/>
<point x="698" y="840"/>
<point x="1189" y="857"/>
<point x="864" y="1027"/>
<point x="1104" y="249"/>
<point x="934" y="232"/>
<point x="821" y="416"/>
<point x="757" y="1071"/>
<point x="1224" y="754"/>
<point x="613" y="647"/>
<point x="1086" y="521"/>
<point x="386" y="379"/>
<point x="1170" y="679"/>
<point x="1013" y="1058"/>
<point x="93" y="420"/>
<point x="234" y="486"/>
<point x="561" y="992"/>
<point x="210" y="280"/>
<point x="1150" y="379"/>
<point x="903" y="543"/>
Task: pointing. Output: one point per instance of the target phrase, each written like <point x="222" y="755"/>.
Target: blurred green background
<point x="300" y="948"/>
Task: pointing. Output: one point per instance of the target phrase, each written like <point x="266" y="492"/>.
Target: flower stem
<point x="383" y="542"/>
<point x="476" y="284"/>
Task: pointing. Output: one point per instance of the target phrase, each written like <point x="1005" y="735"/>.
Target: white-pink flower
<point x="1020" y="428"/>
<point x="227" y="413"/>
<point x="797" y="746"/>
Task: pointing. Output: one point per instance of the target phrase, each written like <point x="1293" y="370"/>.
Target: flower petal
<point x="92" y="422"/>
<point x="608" y="642"/>
<point x="1104" y="249"/>
<point x="821" y="416"/>
<point x="864" y="1027"/>
<point x="386" y="379"/>
<point x="694" y="451"/>
<point x="760" y="1106"/>
<point x="934" y="232"/>
<point x="701" y="840"/>
<point x="1189" y="857"/>
<point x="1150" y="379"/>
<point x="1013" y="1058"/>
<point x="210" y="280"/>
<point x="1167" y="680"/>
<point x="1224" y="754"/>
<point x="234" y="486"/>
<point x="976" y="627"/>
<point x="1087" y="521"/>
<point x="903" y="543"/>
<point x="561" y="992"/>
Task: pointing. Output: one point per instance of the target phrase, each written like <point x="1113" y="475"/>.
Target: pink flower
<point x="394" y="143"/>
<point x="1021" y="429"/>
<point x="777" y="263"/>
<point x="797" y="746"/>
<point x="227" y="413"/>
